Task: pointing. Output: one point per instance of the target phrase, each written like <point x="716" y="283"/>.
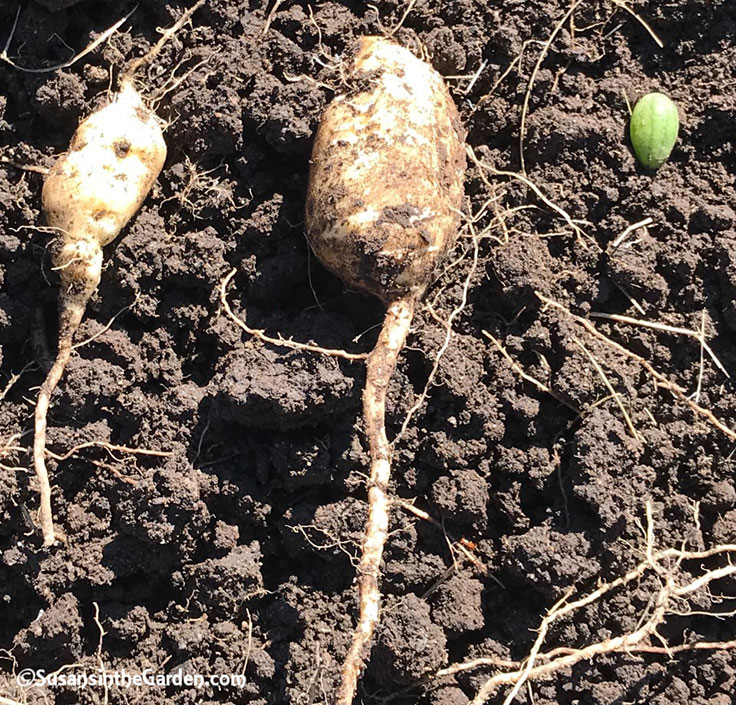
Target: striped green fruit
<point x="653" y="129"/>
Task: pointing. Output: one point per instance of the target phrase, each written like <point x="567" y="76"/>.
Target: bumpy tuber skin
<point x="90" y="194"/>
<point x="383" y="209"/>
<point x="386" y="180"/>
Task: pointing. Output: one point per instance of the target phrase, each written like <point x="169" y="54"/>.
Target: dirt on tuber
<point x="383" y="209"/>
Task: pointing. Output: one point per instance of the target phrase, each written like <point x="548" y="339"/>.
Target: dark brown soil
<point x="233" y="552"/>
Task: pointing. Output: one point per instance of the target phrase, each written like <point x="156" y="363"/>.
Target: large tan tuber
<point x="383" y="209"/>
<point x="90" y="194"/>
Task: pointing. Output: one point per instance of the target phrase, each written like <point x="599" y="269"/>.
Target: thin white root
<point x="109" y="447"/>
<point x="280" y="341"/>
<point x="271" y="15"/>
<point x="49" y="69"/>
<point x="663" y="381"/>
<point x="614" y="394"/>
<point x="541" y="386"/>
<point x="380" y="368"/>
<point x="532" y="78"/>
<point x="675" y="330"/>
<point x="448" y="336"/>
<point x="25" y="167"/>
<point x="652" y="34"/>
<point x="676" y="585"/>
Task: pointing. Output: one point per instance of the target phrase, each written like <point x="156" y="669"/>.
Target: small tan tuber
<point x="90" y="194"/>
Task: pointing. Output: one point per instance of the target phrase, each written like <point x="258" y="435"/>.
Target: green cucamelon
<point x="653" y="129"/>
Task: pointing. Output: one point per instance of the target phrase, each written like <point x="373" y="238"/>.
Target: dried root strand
<point x="661" y="379"/>
<point x="676" y="587"/>
<point x="166" y="36"/>
<point x="48" y="69"/>
<point x="677" y="593"/>
<point x="279" y="340"/>
<point x="380" y="368"/>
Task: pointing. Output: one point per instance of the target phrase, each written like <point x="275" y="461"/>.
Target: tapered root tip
<point x="69" y="322"/>
<point x="380" y="369"/>
<point x="39" y="448"/>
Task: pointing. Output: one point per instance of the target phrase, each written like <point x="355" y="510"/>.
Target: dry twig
<point x="280" y="341"/>
<point x="676" y="390"/>
<point x="533" y="77"/>
<point x="624" y="6"/>
<point x="616" y="396"/>
<point x="91" y="47"/>
<point x="270" y="16"/>
<point x="25" y="167"/>
<point x="676" y="587"/>
<point x="166" y="35"/>
<point x="462" y="545"/>
<point x="698" y="335"/>
<point x="541" y="386"/>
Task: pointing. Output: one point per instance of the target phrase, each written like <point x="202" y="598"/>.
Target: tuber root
<point x="90" y="194"/>
<point x="383" y="209"/>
